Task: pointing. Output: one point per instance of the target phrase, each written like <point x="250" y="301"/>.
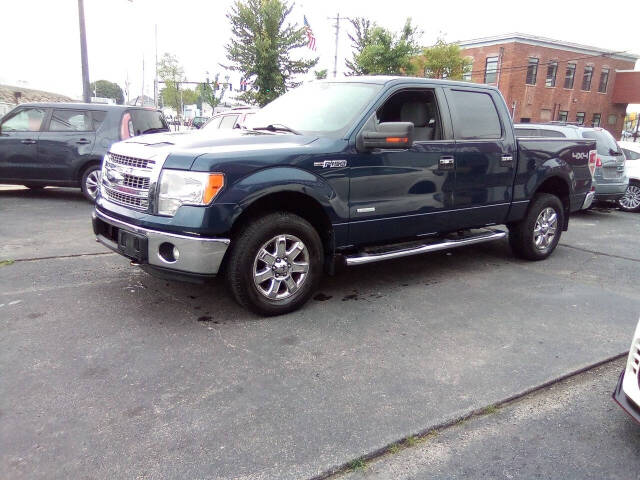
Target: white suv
<point x="627" y="393"/>
<point x="631" y="200"/>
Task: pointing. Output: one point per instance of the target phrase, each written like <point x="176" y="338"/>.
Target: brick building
<point x="543" y="79"/>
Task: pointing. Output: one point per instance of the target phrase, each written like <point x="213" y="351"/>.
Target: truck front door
<point x="397" y="194"/>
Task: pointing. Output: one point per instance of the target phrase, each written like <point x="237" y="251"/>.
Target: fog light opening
<point x="168" y="252"/>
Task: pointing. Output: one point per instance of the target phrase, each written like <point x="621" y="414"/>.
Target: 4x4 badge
<point x="331" y="164"/>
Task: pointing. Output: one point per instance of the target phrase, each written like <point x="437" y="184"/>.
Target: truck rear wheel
<point x="537" y="235"/>
<point x="275" y="263"/>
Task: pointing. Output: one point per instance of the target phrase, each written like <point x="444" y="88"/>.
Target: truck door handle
<point x="446" y="162"/>
<point x="506" y="160"/>
<point x="83" y="141"/>
<point x="28" y="141"/>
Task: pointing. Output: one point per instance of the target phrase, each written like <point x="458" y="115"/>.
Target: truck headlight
<point x="180" y="187"/>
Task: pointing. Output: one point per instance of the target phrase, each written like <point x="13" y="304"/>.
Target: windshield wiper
<point x="278" y="127"/>
<point x="154" y="130"/>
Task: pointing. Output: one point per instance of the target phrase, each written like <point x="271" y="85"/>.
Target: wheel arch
<point x="558" y="186"/>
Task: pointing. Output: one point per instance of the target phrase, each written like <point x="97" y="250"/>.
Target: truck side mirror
<point x="388" y="135"/>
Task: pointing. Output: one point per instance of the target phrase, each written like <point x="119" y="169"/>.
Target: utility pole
<point x="155" y="81"/>
<point x="86" y="88"/>
<point x="335" y="56"/>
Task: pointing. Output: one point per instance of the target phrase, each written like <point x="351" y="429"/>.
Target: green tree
<point x="212" y="93"/>
<point x="189" y="97"/>
<point x="107" y="89"/>
<point x="320" y="74"/>
<point x="442" y="60"/>
<point x="171" y="74"/>
<point x="388" y="53"/>
<point x="260" y="48"/>
<point x="359" y="39"/>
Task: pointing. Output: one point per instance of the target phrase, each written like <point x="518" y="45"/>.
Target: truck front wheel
<point x="537" y="235"/>
<point x="275" y="263"/>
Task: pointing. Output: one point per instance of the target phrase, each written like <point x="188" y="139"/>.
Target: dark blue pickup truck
<point x="338" y="173"/>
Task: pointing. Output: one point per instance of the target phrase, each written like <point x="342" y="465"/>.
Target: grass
<point x="6" y="263"/>
<point x="357" y="464"/>
<point x="490" y="409"/>
<point x="393" y="449"/>
<point x="411" y="441"/>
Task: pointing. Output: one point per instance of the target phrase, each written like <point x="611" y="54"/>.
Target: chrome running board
<point x="444" y="244"/>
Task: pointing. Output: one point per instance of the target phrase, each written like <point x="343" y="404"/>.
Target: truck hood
<point x="182" y="148"/>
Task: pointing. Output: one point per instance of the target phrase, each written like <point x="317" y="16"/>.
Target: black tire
<point x="87" y="183"/>
<point x="243" y="262"/>
<point x="522" y="237"/>
<point x="628" y="202"/>
<point x="35" y="187"/>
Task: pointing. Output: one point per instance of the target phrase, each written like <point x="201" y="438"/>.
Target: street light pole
<point x="86" y="88"/>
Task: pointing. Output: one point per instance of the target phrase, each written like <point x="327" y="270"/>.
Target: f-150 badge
<point x="331" y="164"/>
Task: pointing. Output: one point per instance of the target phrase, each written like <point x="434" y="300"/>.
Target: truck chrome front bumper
<point x="167" y="251"/>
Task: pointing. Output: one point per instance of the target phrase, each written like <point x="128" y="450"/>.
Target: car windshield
<point x="604" y="141"/>
<point x="320" y="107"/>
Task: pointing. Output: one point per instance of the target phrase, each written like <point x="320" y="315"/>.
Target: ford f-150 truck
<point x="338" y="173"/>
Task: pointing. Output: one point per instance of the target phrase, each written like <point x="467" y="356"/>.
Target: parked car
<point x="372" y="168"/>
<point x="63" y="144"/>
<point x="627" y="392"/>
<point x="630" y="202"/>
<point x="610" y="178"/>
<point x="234" y="118"/>
<point x="198" y="122"/>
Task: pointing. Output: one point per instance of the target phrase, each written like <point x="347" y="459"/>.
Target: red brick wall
<point x="627" y="88"/>
<point x="541" y="103"/>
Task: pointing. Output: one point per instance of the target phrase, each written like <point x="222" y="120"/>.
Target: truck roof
<point x="387" y="79"/>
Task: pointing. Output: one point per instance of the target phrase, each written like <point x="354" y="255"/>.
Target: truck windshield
<point x="317" y="108"/>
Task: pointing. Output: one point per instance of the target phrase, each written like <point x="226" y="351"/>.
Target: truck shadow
<point x="50" y="194"/>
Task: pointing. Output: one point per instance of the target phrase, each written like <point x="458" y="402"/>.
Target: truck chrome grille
<point x="134" y="181"/>
<point x="634" y="357"/>
<point x="127" y="180"/>
<point x="138" y="203"/>
<point x="130" y="161"/>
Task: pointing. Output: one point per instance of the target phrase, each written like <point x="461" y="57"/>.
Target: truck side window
<point x="416" y="106"/>
<point x="474" y="115"/>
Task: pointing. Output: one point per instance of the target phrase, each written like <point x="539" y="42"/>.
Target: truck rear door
<point x="485" y="156"/>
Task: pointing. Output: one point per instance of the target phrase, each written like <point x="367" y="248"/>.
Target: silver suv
<point x="610" y="177"/>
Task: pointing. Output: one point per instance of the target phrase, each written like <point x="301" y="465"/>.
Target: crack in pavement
<point x="55" y="257"/>
<point x="347" y="467"/>
<point x="611" y="255"/>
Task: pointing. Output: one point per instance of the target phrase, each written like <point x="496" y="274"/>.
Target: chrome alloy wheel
<point x="280" y="267"/>
<point x="545" y="229"/>
<point x="631" y="199"/>
<point x="92" y="184"/>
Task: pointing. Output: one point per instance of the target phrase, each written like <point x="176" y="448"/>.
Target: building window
<point x="580" y="118"/>
<point x="525" y="120"/>
<point x="532" y="71"/>
<point x="612" y="119"/>
<point x="552" y="71"/>
<point x="604" y="79"/>
<point x="586" y="78"/>
<point x="570" y="75"/>
<point x="466" y="74"/>
<point x="491" y="70"/>
<point x="563" y="115"/>
<point x="596" y="120"/>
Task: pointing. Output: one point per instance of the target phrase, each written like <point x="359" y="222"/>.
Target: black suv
<point x="62" y="144"/>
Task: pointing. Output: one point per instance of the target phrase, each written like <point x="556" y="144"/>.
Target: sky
<point x="41" y="47"/>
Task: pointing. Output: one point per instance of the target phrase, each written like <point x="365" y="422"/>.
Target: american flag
<point x="311" y="40"/>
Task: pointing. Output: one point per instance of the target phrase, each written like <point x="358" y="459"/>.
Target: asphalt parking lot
<point x="108" y="372"/>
